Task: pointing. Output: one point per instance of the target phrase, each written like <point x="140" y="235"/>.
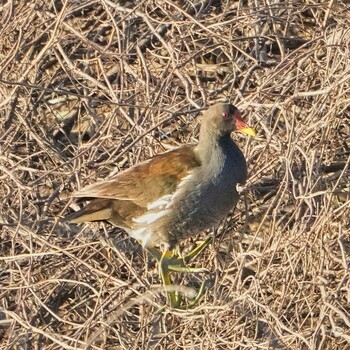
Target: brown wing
<point x="148" y="180"/>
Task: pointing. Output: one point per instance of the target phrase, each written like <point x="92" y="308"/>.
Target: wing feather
<point x="147" y="181"/>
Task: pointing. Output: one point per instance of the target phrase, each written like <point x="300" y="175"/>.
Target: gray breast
<point x="209" y="193"/>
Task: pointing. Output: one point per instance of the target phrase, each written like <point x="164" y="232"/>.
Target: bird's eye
<point x="226" y="116"/>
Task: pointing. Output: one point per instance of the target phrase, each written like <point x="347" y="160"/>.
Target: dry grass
<point x="88" y="86"/>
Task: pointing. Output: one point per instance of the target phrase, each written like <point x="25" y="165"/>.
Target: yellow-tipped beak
<point x="248" y="131"/>
<point x="242" y="126"/>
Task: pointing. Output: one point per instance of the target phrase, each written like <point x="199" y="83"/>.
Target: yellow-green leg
<point x="174" y="298"/>
<point x="171" y="261"/>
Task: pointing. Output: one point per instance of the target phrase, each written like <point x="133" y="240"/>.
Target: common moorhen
<point x="176" y="194"/>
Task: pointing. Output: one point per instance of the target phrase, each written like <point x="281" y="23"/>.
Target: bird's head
<point x="223" y="118"/>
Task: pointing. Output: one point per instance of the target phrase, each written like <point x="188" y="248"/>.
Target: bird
<point x="176" y="194"/>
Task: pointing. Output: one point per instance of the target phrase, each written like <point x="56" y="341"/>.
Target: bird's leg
<point x="179" y="263"/>
<point x="196" y="251"/>
<point x="173" y="297"/>
<point x="171" y="261"/>
<point x="164" y="258"/>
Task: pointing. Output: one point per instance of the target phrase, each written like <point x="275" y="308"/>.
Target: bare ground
<point x="88" y="88"/>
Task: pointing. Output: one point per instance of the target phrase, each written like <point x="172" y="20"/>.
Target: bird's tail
<point x="94" y="211"/>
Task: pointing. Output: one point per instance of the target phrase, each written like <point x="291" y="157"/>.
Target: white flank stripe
<point x="160" y="203"/>
<point x="143" y="235"/>
<point x="150" y="217"/>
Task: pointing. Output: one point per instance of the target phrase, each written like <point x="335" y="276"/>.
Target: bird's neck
<point x="212" y="148"/>
<point x="221" y="153"/>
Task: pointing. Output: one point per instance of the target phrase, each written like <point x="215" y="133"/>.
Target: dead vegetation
<point x="90" y="86"/>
